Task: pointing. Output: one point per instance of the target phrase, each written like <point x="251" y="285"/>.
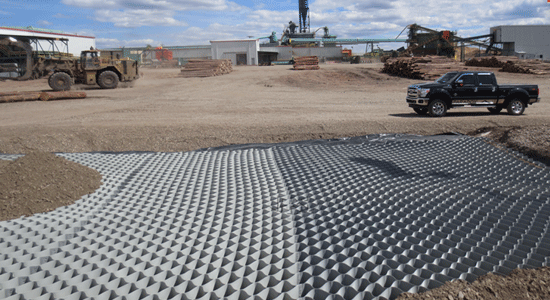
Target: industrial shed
<point x="144" y="55"/>
<point x="288" y="52"/>
<point x="524" y="41"/>
<point x="44" y="40"/>
<point x="240" y="52"/>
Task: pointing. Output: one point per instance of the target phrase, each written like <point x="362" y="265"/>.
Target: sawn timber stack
<point x="206" y="67"/>
<point x="306" y="63"/>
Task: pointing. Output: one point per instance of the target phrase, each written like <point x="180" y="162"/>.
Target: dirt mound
<point x="533" y="141"/>
<point x="40" y="182"/>
<point x="519" y="284"/>
<point x="331" y="79"/>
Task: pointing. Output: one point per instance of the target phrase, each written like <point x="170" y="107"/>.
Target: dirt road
<point x="251" y="105"/>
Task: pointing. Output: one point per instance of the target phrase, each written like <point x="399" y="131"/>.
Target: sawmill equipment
<point x="16" y="57"/>
<point x="163" y="54"/>
<point x="425" y="41"/>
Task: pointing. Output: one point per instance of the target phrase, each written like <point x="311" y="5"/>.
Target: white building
<point x="524" y="41"/>
<point x="240" y="52"/>
<point x="60" y="41"/>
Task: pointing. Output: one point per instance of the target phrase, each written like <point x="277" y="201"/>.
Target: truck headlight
<point x="423" y="92"/>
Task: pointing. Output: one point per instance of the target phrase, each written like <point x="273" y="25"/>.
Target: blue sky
<point x="117" y="23"/>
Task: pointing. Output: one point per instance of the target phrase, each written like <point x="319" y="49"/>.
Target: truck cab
<point x="470" y="89"/>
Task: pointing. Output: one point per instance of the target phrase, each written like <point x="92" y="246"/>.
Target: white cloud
<point x="61" y="16"/>
<point x="44" y="23"/>
<point x="92" y="4"/>
<point x="224" y="19"/>
<point x="169" y="5"/>
<point x="138" y="18"/>
<point x="103" y="43"/>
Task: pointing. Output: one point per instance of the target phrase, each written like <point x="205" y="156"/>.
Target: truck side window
<point x="485" y="79"/>
<point x="467" y="79"/>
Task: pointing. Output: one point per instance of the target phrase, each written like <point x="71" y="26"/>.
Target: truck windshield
<point x="445" y="78"/>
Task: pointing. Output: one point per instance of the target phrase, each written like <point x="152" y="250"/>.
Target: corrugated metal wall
<point x="533" y="41"/>
<point x="287" y="52"/>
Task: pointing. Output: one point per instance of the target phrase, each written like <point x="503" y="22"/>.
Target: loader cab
<point x="89" y="59"/>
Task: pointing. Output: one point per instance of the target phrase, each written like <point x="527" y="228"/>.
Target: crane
<point x="303" y="15"/>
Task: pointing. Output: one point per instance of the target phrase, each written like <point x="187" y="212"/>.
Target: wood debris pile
<point x="428" y="67"/>
<point x="44" y="96"/>
<point x="306" y="63"/>
<point x="206" y="67"/>
<point x="512" y="64"/>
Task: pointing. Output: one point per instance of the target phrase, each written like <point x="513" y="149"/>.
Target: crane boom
<point x="304" y="15"/>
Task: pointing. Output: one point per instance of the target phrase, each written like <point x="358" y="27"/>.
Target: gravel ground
<point x="251" y="105"/>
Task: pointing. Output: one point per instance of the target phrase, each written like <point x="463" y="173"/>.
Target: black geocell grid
<point x="380" y="218"/>
<point x="352" y="219"/>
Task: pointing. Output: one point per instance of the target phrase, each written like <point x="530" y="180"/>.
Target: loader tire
<point x="60" y="81"/>
<point x="108" y="80"/>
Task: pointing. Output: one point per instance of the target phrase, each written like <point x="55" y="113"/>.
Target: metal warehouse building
<point x="524" y="41"/>
<point x="240" y="52"/>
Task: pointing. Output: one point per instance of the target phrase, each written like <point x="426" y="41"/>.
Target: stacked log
<point x="512" y="64"/>
<point x="492" y="62"/>
<point x="428" y="67"/>
<point x="306" y="63"/>
<point x="44" y="96"/>
<point x="206" y="67"/>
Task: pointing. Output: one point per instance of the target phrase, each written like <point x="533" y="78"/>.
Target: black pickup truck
<point x="470" y="89"/>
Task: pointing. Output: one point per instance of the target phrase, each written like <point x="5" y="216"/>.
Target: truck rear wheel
<point x="107" y="80"/>
<point x="60" y="81"/>
<point x="437" y="108"/>
<point x="516" y="107"/>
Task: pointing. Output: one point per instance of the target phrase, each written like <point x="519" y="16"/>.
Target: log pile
<point x="306" y="63"/>
<point x="492" y="62"/>
<point x="512" y="64"/>
<point x="44" y="96"/>
<point x="206" y="67"/>
<point x="428" y="67"/>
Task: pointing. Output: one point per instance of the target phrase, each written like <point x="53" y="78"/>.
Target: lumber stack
<point x="428" y="67"/>
<point x="306" y="63"/>
<point x="512" y="64"/>
<point x="206" y="67"/>
<point x="44" y="96"/>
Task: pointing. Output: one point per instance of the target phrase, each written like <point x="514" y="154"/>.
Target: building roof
<point x="31" y="31"/>
<point x="229" y="41"/>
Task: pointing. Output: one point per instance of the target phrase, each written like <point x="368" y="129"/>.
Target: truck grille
<point x="412" y="93"/>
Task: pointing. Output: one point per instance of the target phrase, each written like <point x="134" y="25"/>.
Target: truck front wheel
<point x="516" y="107"/>
<point x="437" y="108"/>
<point x="108" y="80"/>
<point x="60" y="81"/>
<point x="421" y="111"/>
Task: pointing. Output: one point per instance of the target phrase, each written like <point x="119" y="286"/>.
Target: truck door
<point x="487" y="89"/>
<point x="464" y="89"/>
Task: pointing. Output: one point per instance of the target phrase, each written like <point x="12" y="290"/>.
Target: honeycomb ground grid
<point x="388" y="216"/>
<point x="359" y="218"/>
